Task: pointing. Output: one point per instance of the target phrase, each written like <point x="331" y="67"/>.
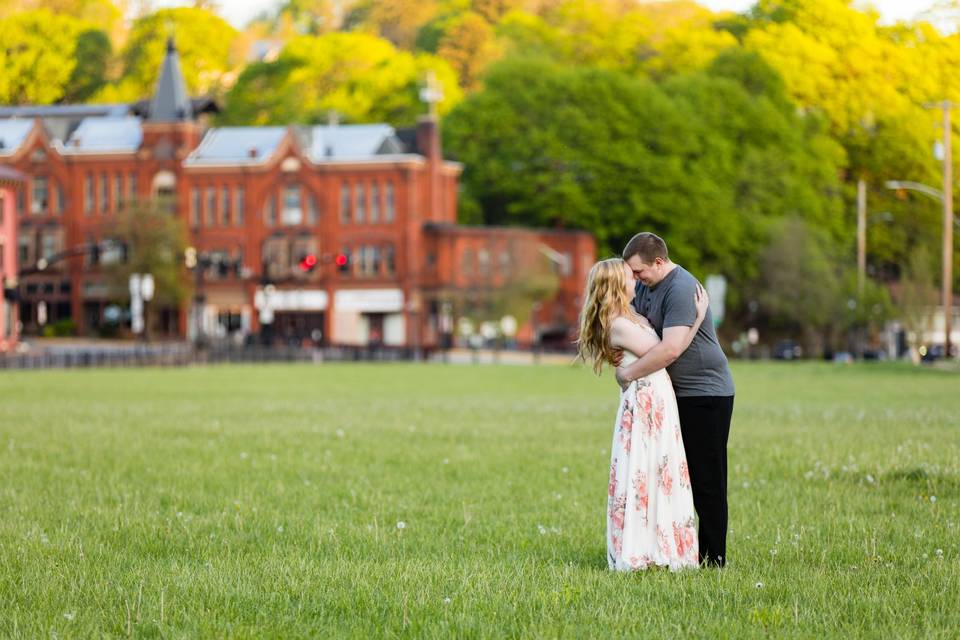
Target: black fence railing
<point x="178" y="355"/>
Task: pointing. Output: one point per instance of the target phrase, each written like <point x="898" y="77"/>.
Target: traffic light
<point x="343" y="262"/>
<point x="308" y="263"/>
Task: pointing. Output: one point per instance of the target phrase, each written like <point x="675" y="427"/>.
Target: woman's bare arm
<point x="626" y="334"/>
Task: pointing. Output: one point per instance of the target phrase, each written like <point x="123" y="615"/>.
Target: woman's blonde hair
<point x="605" y="298"/>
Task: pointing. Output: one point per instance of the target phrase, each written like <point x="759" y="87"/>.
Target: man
<point x="701" y="379"/>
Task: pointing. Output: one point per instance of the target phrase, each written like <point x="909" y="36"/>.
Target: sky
<point x="238" y="12"/>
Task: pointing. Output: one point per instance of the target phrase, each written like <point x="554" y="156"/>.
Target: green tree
<point x="360" y="76"/>
<point x="93" y="54"/>
<point x="469" y="45"/>
<point x="706" y="160"/>
<point x="155" y="243"/>
<point x="204" y="42"/>
<point x="800" y="286"/>
<point x="37" y="56"/>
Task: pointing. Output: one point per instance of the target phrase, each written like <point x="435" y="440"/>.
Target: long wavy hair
<point x="606" y="297"/>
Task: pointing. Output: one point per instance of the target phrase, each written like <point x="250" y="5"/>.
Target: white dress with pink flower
<point x="650" y="517"/>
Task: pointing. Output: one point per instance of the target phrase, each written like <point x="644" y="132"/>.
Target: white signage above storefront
<point x="369" y="300"/>
<point x="292" y="300"/>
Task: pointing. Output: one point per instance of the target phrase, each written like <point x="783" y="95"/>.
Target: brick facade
<point x="263" y="198"/>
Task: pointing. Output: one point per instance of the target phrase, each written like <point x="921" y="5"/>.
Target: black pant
<point x="705" y="425"/>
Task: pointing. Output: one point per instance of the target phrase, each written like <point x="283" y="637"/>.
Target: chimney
<point x="428" y="138"/>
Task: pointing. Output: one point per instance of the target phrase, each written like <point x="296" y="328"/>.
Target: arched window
<point x="164" y="190"/>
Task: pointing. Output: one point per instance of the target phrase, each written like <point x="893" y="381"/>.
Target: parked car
<point x="787" y="350"/>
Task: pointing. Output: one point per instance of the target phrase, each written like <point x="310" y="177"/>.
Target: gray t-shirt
<point x="702" y="369"/>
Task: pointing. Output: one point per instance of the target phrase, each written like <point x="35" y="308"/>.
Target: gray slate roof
<point x="349" y="142"/>
<point x="105" y="134"/>
<point x="170" y="100"/>
<point x="237" y="145"/>
<point x="13" y="132"/>
<point x="255" y="145"/>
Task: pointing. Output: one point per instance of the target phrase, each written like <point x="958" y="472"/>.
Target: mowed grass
<point x="267" y="501"/>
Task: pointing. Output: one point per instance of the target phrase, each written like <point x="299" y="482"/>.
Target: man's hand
<point x="622" y="381"/>
<point x="617" y="357"/>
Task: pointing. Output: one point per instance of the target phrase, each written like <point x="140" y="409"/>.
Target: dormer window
<point x="40" y="196"/>
<point x="292" y="205"/>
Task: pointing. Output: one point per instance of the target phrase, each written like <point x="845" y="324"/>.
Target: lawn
<point x="456" y="501"/>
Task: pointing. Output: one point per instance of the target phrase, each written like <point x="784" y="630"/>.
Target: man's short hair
<point x="648" y="246"/>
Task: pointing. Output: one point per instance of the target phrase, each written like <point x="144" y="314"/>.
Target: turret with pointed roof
<point x="170" y="101"/>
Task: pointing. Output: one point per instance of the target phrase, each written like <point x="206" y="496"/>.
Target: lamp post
<point x="946" y="291"/>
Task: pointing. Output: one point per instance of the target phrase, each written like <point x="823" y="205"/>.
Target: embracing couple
<point x="650" y="318"/>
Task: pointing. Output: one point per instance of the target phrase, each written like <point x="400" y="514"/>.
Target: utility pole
<point x="947" y="285"/>
<point x="861" y="259"/>
<point x="861" y="237"/>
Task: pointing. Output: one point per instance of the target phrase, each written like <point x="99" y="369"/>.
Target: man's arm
<point x="675" y="341"/>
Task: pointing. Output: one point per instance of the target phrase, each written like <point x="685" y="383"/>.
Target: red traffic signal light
<point x="308" y="263"/>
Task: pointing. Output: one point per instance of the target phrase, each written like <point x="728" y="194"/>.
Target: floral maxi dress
<point x="650" y="517"/>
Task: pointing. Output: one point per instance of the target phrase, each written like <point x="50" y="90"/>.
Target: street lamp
<point x="946" y="285"/>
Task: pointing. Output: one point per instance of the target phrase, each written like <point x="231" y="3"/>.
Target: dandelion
<point x="401" y="525"/>
<point x="70" y="615"/>
<point x="447" y="601"/>
<point x="280" y="529"/>
<point x="565" y="470"/>
<point x="179" y="514"/>
<point x="939" y="553"/>
<point x="759" y="585"/>
<point x="933" y="498"/>
<point x="340" y="433"/>
<point x="558" y="496"/>
<point x="869" y="478"/>
<point x="542" y="529"/>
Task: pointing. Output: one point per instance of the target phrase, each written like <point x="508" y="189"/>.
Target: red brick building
<point x="10" y="183"/>
<point x="257" y="201"/>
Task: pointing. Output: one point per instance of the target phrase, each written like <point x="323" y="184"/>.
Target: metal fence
<point x="178" y="355"/>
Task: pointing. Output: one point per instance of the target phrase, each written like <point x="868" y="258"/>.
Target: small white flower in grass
<point x="939" y="553"/>
<point x="401" y="525"/>
<point x="542" y="529"/>
<point x="69" y="615"/>
<point x="869" y="478"/>
<point x="446" y="461"/>
<point x="280" y="529"/>
<point x="447" y="601"/>
<point x="565" y="470"/>
<point x="179" y="514"/>
<point x="925" y="556"/>
<point x="559" y="496"/>
<point x="933" y="498"/>
<point x="340" y="433"/>
<point x="759" y="585"/>
<point x="244" y="455"/>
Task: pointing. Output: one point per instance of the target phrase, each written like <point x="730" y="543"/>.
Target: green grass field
<point x="267" y="501"/>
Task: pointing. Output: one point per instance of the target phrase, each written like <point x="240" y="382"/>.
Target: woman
<point x="650" y="517"/>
